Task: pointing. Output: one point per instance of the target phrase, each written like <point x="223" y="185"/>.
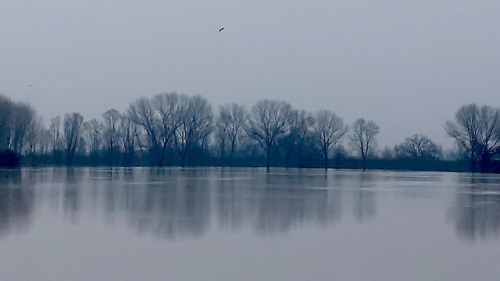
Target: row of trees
<point x="175" y="129"/>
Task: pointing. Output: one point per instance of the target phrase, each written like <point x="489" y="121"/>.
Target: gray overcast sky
<point x="407" y="65"/>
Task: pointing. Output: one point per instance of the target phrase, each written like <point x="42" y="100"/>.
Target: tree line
<point x="171" y="129"/>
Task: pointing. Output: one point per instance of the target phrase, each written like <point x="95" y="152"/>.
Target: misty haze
<point x="249" y="140"/>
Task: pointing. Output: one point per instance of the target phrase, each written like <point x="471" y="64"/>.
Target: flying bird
<point x="220" y="29"/>
<point x="30" y="85"/>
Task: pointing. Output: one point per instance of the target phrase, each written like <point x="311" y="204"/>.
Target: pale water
<point x="244" y="224"/>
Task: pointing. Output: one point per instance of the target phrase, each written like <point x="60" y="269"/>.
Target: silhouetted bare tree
<point x="195" y="126"/>
<point x="72" y="125"/>
<point x="111" y="118"/>
<point x="229" y="128"/>
<point x="22" y="117"/>
<point x="142" y="112"/>
<point x="477" y="130"/>
<point x="292" y="145"/>
<point x="268" y="122"/>
<point x="93" y="132"/>
<point x="15" y="121"/>
<point x="160" y="118"/>
<point x="329" y="130"/>
<point x="37" y="139"/>
<point x="56" y="137"/>
<point x="128" y="133"/>
<point x="42" y="137"/>
<point x="363" y="137"/>
<point x="171" y="111"/>
<point x="418" y="147"/>
<point x="300" y="128"/>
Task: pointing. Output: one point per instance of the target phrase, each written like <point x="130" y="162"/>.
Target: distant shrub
<point x="9" y="158"/>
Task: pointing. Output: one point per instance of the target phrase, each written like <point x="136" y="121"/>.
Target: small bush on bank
<point x="9" y="158"/>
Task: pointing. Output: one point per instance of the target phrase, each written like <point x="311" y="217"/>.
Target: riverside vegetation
<point x="173" y="129"/>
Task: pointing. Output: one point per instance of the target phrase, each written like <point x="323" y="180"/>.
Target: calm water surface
<point x="243" y="224"/>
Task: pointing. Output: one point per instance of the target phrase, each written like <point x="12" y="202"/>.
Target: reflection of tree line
<point x="171" y="203"/>
<point x="172" y="209"/>
<point x="174" y="203"/>
<point x="16" y="202"/>
<point x="183" y="205"/>
<point x="289" y="201"/>
<point x="478" y="215"/>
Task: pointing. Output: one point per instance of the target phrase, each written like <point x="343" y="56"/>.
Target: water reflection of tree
<point x="364" y="197"/>
<point x="107" y="183"/>
<point x="174" y="203"/>
<point x="16" y="202"/>
<point x="72" y="192"/>
<point x="291" y="200"/>
<point x="232" y="198"/>
<point x="170" y="204"/>
<point x="478" y="208"/>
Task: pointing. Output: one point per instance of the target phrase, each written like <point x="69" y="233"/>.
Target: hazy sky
<point x="407" y="65"/>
